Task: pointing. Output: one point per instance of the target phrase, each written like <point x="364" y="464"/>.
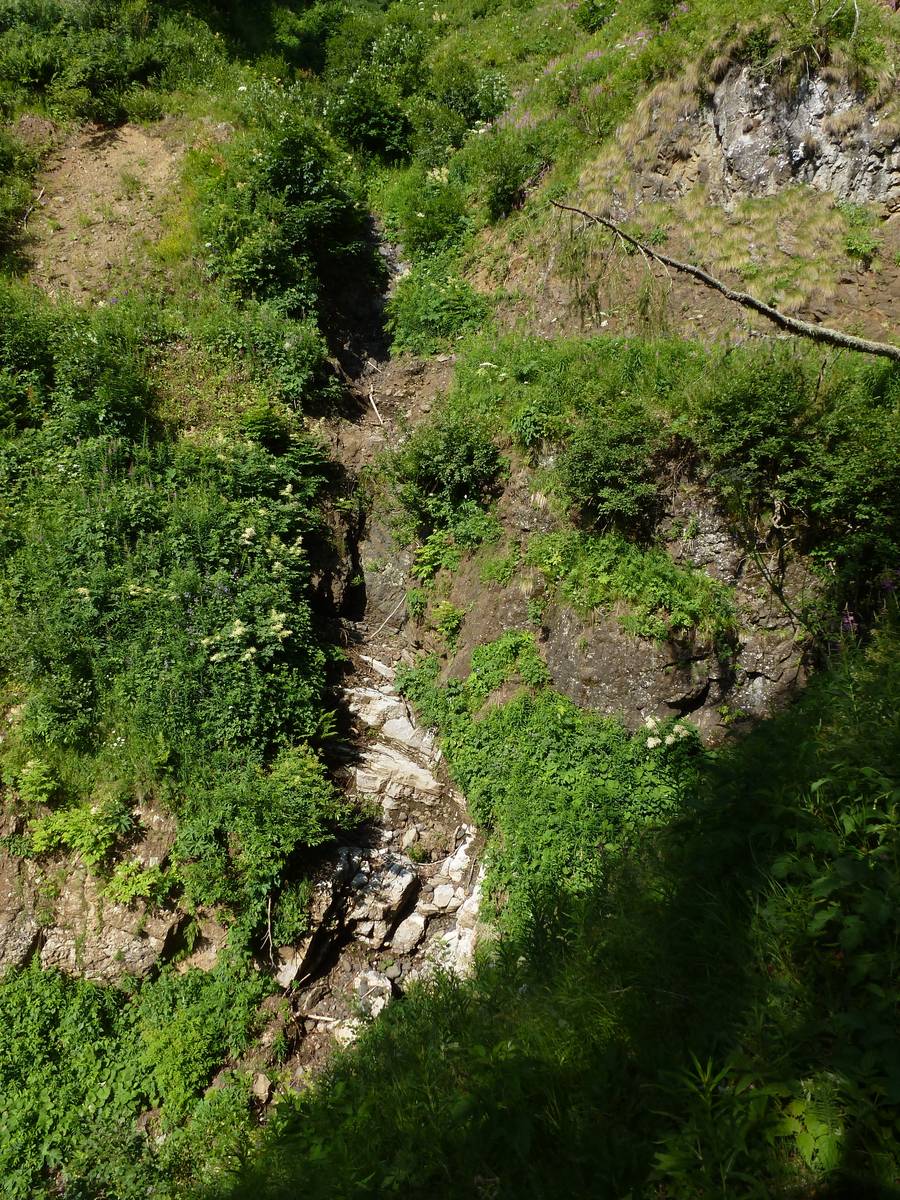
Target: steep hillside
<point x="448" y="661"/>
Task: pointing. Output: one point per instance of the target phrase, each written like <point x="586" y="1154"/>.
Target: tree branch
<point x="817" y="333"/>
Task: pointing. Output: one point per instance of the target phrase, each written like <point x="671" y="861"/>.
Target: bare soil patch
<point x="99" y="211"/>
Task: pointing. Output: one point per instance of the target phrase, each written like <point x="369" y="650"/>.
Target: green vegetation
<point x="664" y="601"/>
<point x="691" y="991"/>
<point x="77" y="1061"/>
<point x="780" y="436"/>
<point x="712" y="1016"/>
<point x="563" y="791"/>
<point x="155" y="616"/>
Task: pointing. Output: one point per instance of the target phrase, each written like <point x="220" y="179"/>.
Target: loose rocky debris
<point x="401" y="903"/>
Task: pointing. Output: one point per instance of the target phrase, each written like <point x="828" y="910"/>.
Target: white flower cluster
<point x="653" y="724"/>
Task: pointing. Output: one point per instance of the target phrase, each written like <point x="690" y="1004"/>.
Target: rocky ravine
<point x="403" y="899"/>
<point x="386" y="909"/>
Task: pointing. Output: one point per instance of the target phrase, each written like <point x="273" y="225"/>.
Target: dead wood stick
<point x="375" y="406"/>
<point x="817" y="333"/>
<point x="31" y="207"/>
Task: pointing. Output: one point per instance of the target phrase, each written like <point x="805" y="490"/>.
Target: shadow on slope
<point x="718" y="1020"/>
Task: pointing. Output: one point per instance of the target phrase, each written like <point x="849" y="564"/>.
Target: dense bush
<point x="501" y="165"/>
<point x="426" y="211"/>
<point x="432" y="306"/>
<point x="79" y="1061"/>
<point x="15" y="185"/>
<point x="475" y="95"/>
<point x="279" y="219"/>
<point x="443" y="468"/>
<point x="607" y="467"/>
<point x="564" y="791"/>
<point x="369" y="116"/>
<point x="155" y="615"/>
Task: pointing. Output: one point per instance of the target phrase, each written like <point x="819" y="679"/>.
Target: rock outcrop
<point x="820" y="133"/>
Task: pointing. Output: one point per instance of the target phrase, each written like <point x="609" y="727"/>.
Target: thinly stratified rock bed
<point x="402" y="900"/>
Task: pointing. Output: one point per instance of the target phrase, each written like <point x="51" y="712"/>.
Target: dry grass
<point x="841" y="124"/>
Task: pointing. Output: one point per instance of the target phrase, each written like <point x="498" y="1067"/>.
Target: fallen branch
<point x="31" y="207"/>
<point x="817" y="333"/>
<point x="375" y="406"/>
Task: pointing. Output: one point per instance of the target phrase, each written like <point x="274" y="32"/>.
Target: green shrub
<point x="861" y="244"/>
<point x="563" y="790"/>
<point x="607" y="468"/>
<point x="279" y="219"/>
<point x="288" y="357"/>
<point x="91" y="831"/>
<point x="592" y="15"/>
<point x="448" y="621"/>
<point x="146" y="587"/>
<point x="290" y="915"/>
<point x="501" y="165"/>
<point x="36" y="784"/>
<point x="16" y="166"/>
<point x="443" y="468"/>
<point x="474" y="94"/>
<point x="131" y="881"/>
<point x="426" y="210"/>
<point x="665" y="601"/>
<point x="431" y="307"/>
<point x="369" y="116"/>
<point x="416" y="604"/>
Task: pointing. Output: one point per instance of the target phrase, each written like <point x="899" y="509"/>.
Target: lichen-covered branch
<point x="817" y="333"/>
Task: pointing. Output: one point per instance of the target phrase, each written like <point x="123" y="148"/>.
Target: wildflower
<point x="670" y="739"/>
<point x="242" y="88"/>
<point x="248" y="535"/>
<point x="83" y="591"/>
<point x="238" y="629"/>
<point x="653" y="742"/>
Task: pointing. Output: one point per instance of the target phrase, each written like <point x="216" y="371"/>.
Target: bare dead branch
<point x="817" y="333"/>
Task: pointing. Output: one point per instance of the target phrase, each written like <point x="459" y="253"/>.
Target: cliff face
<point x="822" y="133"/>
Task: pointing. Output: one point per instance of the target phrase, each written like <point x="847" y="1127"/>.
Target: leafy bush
<point x="444" y="471"/>
<point x="607" y="467"/>
<point x="563" y="790"/>
<point x="426" y="210"/>
<point x="461" y="87"/>
<point x="448" y="621"/>
<point x="368" y="115"/>
<point x="501" y="165"/>
<point x="88" y="831"/>
<point x="288" y="356"/>
<point x="431" y="307"/>
<point x="15" y="185"/>
<point x="70" y="1049"/>
<point x="279" y="219"/>
<point x="144" y="609"/>
<point x="592" y="15"/>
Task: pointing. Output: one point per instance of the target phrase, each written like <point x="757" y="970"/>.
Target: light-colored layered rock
<point x="390" y="774"/>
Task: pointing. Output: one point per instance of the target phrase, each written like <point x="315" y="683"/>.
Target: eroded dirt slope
<point x="99" y="209"/>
